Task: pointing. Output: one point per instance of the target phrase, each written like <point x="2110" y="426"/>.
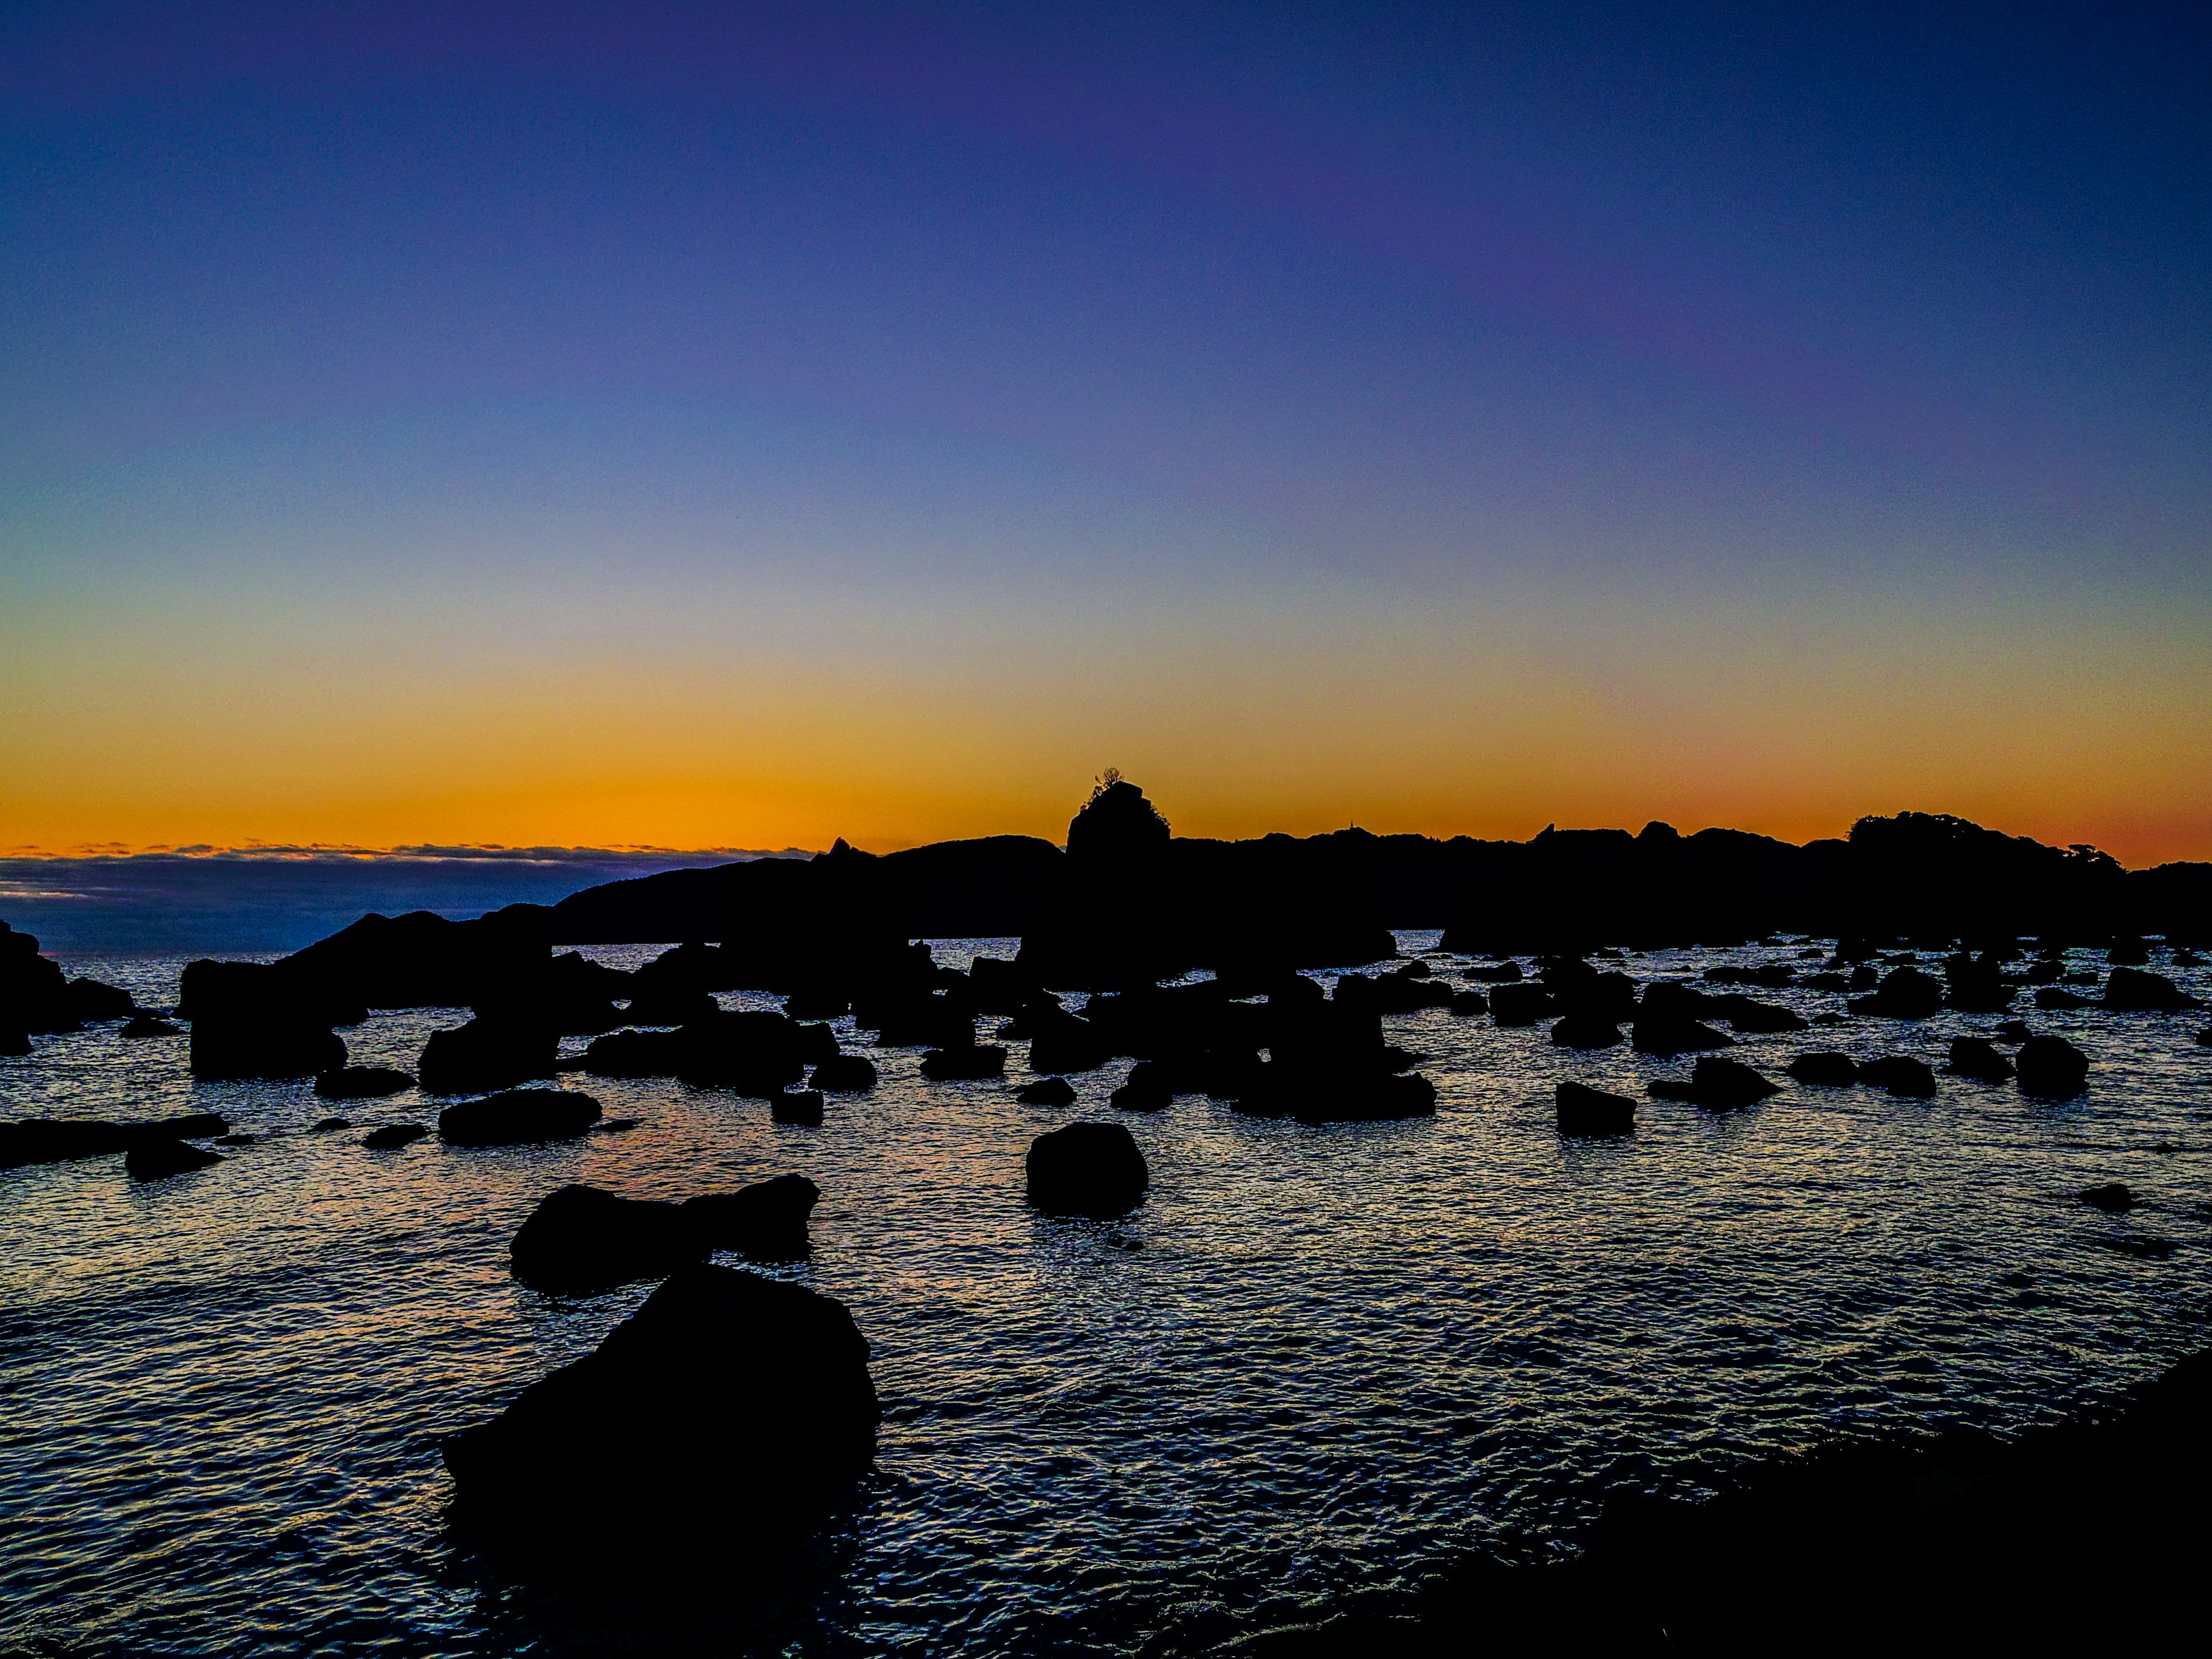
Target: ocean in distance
<point x="1315" y="1361"/>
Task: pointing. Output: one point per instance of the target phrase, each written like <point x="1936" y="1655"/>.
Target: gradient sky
<point x="557" y="424"/>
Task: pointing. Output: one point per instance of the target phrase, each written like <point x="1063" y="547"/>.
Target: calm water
<point x="1317" y="1359"/>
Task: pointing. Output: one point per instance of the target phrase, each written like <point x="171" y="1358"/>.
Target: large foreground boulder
<point x="518" y="1117"/>
<point x="730" y="1412"/>
<point x="1087" y="1169"/>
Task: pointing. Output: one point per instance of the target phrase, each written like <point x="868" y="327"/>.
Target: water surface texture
<point x="1316" y="1360"/>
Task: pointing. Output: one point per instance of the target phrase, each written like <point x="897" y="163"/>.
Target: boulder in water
<point x="1719" y="1085"/>
<point x="729" y="1411"/>
<point x="976" y="1062"/>
<point x="580" y="1238"/>
<point x="1823" y="1069"/>
<point x="1046" y="1091"/>
<point x="800" y="1107"/>
<point x="322" y="1126"/>
<point x="64" y="1140"/>
<point x="1580" y="1031"/>
<point x="844" y="1074"/>
<point x="1899" y="1075"/>
<point x="766" y="1221"/>
<point x="392" y="1136"/>
<point x="1979" y="1059"/>
<point x="487" y="1053"/>
<point x="1904" y="994"/>
<point x="520" y="1117"/>
<point x="1087" y="1169"/>
<point x="1465" y="1004"/>
<point x="361" y="1082"/>
<point x="1520" y="1004"/>
<point x="2112" y="1198"/>
<point x="1586" y="1111"/>
<point x="146" y="1026"/>
<point x="2051" y="1068"/>
<point x="2131" y="990"/>
<point x="1666" y="1034"/>
<point x="1749" y="1015"/>
<point x="227" y="1046"/>
<point x="1148" y="1088"/>
<point x="151" y="1160"/>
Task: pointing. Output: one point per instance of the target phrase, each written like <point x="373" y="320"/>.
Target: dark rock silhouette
<point x="361" y="1082"/>
<point x="765" y="1221"/>
<point x="754" y="1414"/>
<point x="1087" y="1169"/>
<point x="1717" y="1084"/>
<point x="227" y="1046"/>
<point x="36" y="999"/>
<point x="1672" y="1034"/>
<point x="322" y="1126"/>
<point x="1046" y="1091"/>
<point x="2058" y="999"/>
<point x="1975" y="985"/>
<point x="2051" y="1068"/>
<point x="801" y="1108"/>
<point x="1586" y="1111"/>
<point x="580" y="1238"/>
<point x="91" y="1002"/>
<point x="2131" y="990"/>
<point x="971" y="1061"/>
<point x="490" y="1051"/>
<point x="1149" y="1089"/>
<point x="844" y="1074"/>
<point x="1979" y="1059"/>
<point x="1752" y="1017"/>
<point x="1904" y="993"/>
<point x="1899" y="1075"/>
<point x="62" y="1141"/>
<point x="393" y="1136"/>
<point x="145" y="1025"/>
<point x="1465" y="1004"/>
<point x="1585" y="1031"/>
<point x="2204" y="1038"/>
<point x="2112" y="1198"/>
<point x="1521" y="1005"/>
<point x="151" y="1160"/>
<point x="261" y="993"/>
<point x="1824" y="1070"/>
<point x="518" y="1117"/>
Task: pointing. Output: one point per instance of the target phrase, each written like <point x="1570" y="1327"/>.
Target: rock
<point x="1823" y="1069"/>
<point x="1586" y="1111"/>
<point x="1466" y="1003"/>
<point x="90" y="1001"/>
<point x="977" y="1060"/>
<point x="2112" y="1198"/>
<point x="730" y="1412"/>
<point x="1378" y="1099"/>
<point x="2051" y="1068"/>
<point x="1719" y="1085"/>
<point x="1668" y="1035"/>
<point x="671" y="1006"/>
<point x="846" y="1074"/>
<point x="766" y="1221"/>
<point x="615" y="1126"/>
<point x="1978" y="1059"/>
<point x="2204" y="1038"/>
<point x="33" y="991"/>
<point x="151" y="1160"/>
<point x="756" y="1054"/>
<point x="799" y="1106"/>
<point x="1747" y="1014"/>
<point x="14" y="1040"/>
<point x="2131" y="990"/>
<point x="1500" y="973"/>
<point x="487" y="1053"/>
<point x="392" y="1136"/>
<point x="322" y="1126"/>
<point x="1087" y="1169"/>
<point x="227" y="1046"/>
<point x="2013" y="1030"/>
<point x="1905" y="993"/>
<point x="634" y="1053"/>
<point x="145" y="1025"/>
<point x="1900" y="1075"/>
<point x="580" y="1238"/>
<point x="64" y="1140"/>
<point x="361" y="1082"/>
<point x="1519" y="1004"/>
<point x="1146" y="1090"/>
<point x="1585" y="1031"/>
<point x="233" y="1140"/>
<point x="2129" y="949"/>
<point x="518" y="1117"/>
<point x="261" y="993"/>
<point x="2057" y="998"/>
<point x="1046" y="1091"/>
<point x="1068" y="1043"/>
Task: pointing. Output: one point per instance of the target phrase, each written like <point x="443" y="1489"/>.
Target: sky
<point x="701" y="426"/>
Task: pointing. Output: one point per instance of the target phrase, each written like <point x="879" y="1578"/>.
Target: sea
<point x="1315" y="1365"/>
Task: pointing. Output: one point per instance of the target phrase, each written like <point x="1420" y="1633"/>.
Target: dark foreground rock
<point x="580" y="1238"/>
<point x="153" y="1159"/>
<point x="844" y="1074"/>
<point x="1900" y="1075"/>
<point x="1087" y="1169"/>
<point x="800" y="1107"/>
<point x="518" y="1117"/>
<point x="392" y="1136"/>
<point x="62" y="1141"/>
<point x="1046" y="1091"/>
<point x="2051" y="1068"/>
<point x="729" y="1412"/>
<point x="1586" y="1111"/>
<point x="1719" y="1084"/>
<point x="766" y="1221"/>
<point x="1823" y="1069"/>
<point x="361" y="1082"/>
<point x="1977" y="1058"/>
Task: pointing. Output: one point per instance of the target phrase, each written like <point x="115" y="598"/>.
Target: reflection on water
<point x="1333" y="1354"/>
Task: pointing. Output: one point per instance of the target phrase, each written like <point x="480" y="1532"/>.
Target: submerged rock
<point x="972" y="1063"/>
<point x="748" y="1413"/>
<point x="145" y="1025"/>
<point x="322" y="1126"/>
<point x="2051" y="1068"/>
<point x="1823" y="1069"/>
<point x="1586" y="1111"/>
<point x="518" y="1117"/>
<point x="393" y="1136"/>
<point x="800" y="1107"/>
<point x="1668" y="1034"/>
<point x="1087" y="1169"/>
<point x="361" y="1082"/>
<point x="1148" y="1090"/>
<point x="2112" y="1198"/>
<point x="1046" y="1091"/>
<point x="64" y="1140"/>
